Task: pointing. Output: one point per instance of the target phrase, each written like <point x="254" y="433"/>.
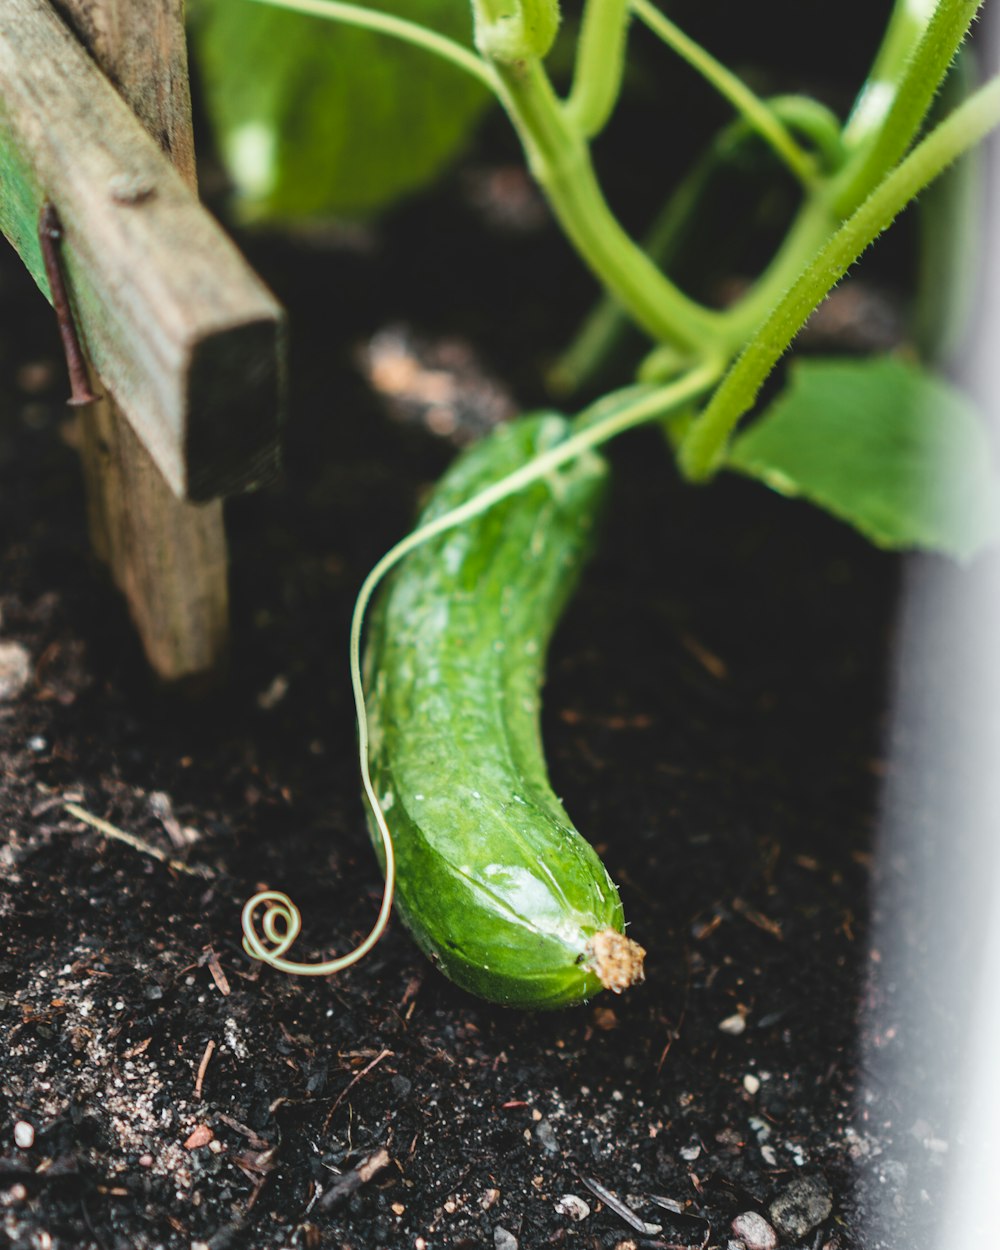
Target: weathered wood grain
<point x="168" y="557"/>
<point x="139" y="45"/>
<point x="175" y="323"/>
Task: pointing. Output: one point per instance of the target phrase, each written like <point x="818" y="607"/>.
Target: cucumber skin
<point x="494" y="882"/>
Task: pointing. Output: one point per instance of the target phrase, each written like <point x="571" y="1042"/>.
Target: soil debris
<point x="352" y="1181"/>
<point x="802" y="1205"/>
<point x="15" y="671"/>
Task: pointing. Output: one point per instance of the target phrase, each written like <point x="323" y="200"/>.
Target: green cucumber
<point x="495" y="883"/>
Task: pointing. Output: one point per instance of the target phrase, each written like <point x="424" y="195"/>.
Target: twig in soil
<point x="254" y="1138"/>
<point x="137" y="844"/>
<point x="676" y="1032"/>
<point x="211" y="960"/>
<point x="350" y="1182"/>
<point x="203" y="1068"/>
<point x="383" y="1054"/>
<point x="54" y="800"/>
<point x="614" y="1203"/>
<point x="257" y="1168"/>
<point x="757" y="918"/>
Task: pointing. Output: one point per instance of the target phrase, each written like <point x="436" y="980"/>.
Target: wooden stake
<point x="179" y="328"/>
<point x="141" y="48"/>
<point x="167" y="557"/>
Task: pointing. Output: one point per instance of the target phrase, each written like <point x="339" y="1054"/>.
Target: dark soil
<point x="714" y="718"/>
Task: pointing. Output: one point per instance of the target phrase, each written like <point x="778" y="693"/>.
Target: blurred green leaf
<point x="316" y="119"/>
<point x="886" y="446"/>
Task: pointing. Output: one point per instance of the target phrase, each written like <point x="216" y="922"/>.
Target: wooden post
<point x="140" y="46"/>
<point x="185" y="339"/>
<point x="168" y="557"/>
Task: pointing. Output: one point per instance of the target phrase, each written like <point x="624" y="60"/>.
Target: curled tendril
<point x="280" y="910"/>
<point x="281" y="922"/>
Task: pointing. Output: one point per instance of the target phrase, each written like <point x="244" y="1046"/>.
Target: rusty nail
<point x="49" y="236"/>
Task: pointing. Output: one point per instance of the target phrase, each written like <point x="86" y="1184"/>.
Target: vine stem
<point x="882" y="132"/>
<point x="281" y="921"/>
<point x="560" y="162"/>
<point x="903" y="32"/>
<point x="398" y="28"/>
<point x="703" y="449"/>
<point x="583" y="359"/>
<point x="600" y="62"/>
<point x="749" y="105"/>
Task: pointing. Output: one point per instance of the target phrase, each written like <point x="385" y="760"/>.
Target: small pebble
<point x="547" y="1137"/>
<point x="801" y="1206"/>
<point x="24" y="1135"/>
<point x="751" y="1083"/>
<point x="15" y="671"/>
<point x="503" y="1239"/>
<point x="734" y="1025"/>
<point x="754" y="1231"/>
<point x="200" y="1136"/>
<point x="573" y="1207"/>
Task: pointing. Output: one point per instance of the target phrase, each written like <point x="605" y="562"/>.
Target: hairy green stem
<point x="892" y="109"/>
<point x="702" y="451"/>
<point x="814" y="223"/>
<point x="600" y="62"/>
<point x="604" y="327"/>
<point x="903" y="32"/>
<point x="756" y="112"/>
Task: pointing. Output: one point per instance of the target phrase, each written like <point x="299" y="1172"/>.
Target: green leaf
<point x="886" y="446"/>
<point x="316" y="119"/>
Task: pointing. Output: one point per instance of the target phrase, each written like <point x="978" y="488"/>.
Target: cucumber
<point x="496" y="885"/>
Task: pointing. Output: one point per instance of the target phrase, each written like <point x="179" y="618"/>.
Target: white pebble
<point x="734" y="1025"/>
<point x="24" y="1135"/>
<point x="573" y="1207"/>
<point x="15" y="671"/>
<point x="751" y="1083"/>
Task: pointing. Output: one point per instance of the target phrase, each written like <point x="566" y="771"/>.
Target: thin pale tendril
<point x="281" y="920"/>
<point x="397" y="27"/>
